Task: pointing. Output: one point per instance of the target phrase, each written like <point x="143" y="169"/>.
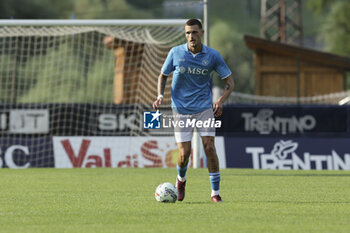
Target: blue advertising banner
<point x="288" y="153"/>
<point x="25" y="152"/>
<point x="127" y="120"/>
<point x="277" y="120"/>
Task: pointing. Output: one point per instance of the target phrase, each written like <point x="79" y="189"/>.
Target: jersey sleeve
<point x="220" y="67"/>
<point x="168" y="65"/>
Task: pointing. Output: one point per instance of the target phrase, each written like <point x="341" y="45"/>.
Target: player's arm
<point x="167" y="68"/>
<point x="160" y="89"/>
<point x="218" y="105"/>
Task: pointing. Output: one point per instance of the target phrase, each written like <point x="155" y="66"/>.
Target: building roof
<point x="328" y="59"/>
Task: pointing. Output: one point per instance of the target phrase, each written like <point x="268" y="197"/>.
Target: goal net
<point x="77" y="77"/>
<point x="338" y="98"/>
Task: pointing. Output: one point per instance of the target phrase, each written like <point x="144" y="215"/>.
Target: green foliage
<point x="12" y="81"/>
<point x="57" y="78"/>
<point x="336" y="29"/>
<point x="145" y="4"/>
<point x="107" y="9"/>
<point x="319" y="6"/>
<point x="7" y="73"/>
<point x="238" y="57"/>
<point x="62" y="76"/>
<point x="244" y="16"/>
<point x="99" y="81"/>
<point x="229" y="21"/>
<point x="82" y="9"/>
<point x="35" y="9"/>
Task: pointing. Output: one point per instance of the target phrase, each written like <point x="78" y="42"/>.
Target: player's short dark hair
<point x="192" y="22"/>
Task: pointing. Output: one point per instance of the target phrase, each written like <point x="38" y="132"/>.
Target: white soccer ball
<point x="166" y="192"/>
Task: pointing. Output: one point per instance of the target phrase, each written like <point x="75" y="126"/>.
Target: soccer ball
<point x="166" y="192"/>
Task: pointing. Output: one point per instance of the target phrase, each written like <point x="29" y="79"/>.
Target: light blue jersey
<point x="191" y="85"/>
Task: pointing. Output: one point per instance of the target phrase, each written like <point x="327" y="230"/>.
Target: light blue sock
<point x="181" y="171"/>
<point x="215" y="180"/>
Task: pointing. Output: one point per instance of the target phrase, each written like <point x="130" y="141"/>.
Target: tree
<point x="64" y="76"/>
<point x="319" y="6"/>
<point x="35" y="9"/>
<point x="107" y="9"/>
<point x="335" y="28"/>
<point x="81" y="9"/>
<point x="145" y="4"/>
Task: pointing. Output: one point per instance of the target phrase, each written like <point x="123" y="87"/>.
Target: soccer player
<point x="191" y="97"/>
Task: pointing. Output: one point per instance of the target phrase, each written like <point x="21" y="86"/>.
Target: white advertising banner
<point x="79" y="151"/>
<point x="28" y="121"/>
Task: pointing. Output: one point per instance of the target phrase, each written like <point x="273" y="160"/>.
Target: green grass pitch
<point x="122" y="200"/>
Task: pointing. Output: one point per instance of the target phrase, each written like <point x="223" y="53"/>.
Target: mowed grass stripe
<point x="122" y="200"/>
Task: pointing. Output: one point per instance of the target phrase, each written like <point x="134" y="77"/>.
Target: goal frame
<point x="107" y="22"/>
<point x="93" y="22"/>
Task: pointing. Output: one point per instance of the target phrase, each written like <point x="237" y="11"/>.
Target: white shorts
<point x="185" y="133"/>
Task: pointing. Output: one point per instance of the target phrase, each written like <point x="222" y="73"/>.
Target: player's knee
<point x="210" y="150"/>
<point x="185" y="153"/>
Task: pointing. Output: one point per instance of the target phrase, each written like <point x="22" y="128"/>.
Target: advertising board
<point x="71" y="152"/>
